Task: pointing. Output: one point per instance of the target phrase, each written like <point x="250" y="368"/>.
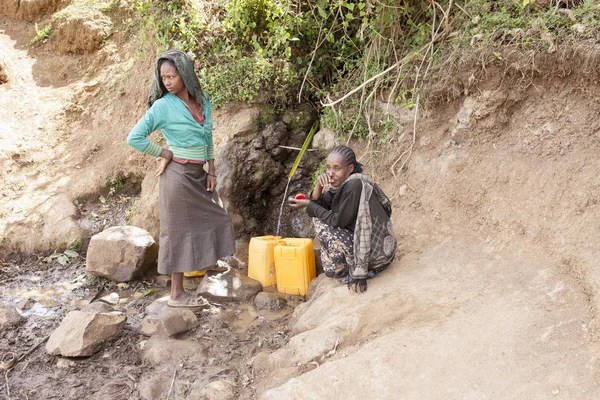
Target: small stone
<point x="229" y="285"/>
<point x="98" y="307"/>
<point x="116" y="390"/>
<point x="156" y="385"/>
<point x="121" y="253"/>
<point x="165" y="321"/>
<point x="9" y="318"/>
<point x="163" y="281"/>
<point x="65" y="363"/>
<point x="269" y="301"/>
<point x="218" y="390"/>
<point x="81" y="334"/>
<point x="112" y="299"/>
<point x="578" y="28"/>
<point x="25" y="304"/>
<point x="403" y="190"/>
<point x="171" y="351"/>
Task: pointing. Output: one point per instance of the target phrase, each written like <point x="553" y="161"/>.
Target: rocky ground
<point x="129" y="333"/>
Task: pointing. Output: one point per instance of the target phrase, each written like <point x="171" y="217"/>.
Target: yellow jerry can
<point x="261" y="259"/>
<point x="194" y="274"/>
<point x="294" y="265"/>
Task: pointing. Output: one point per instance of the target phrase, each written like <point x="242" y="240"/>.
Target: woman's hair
<point x="348" y="154"/>
<point x="185" y="67"/>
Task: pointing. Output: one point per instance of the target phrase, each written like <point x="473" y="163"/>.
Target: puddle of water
<point x="38" y="310"/>
<point x="247" y="317"/>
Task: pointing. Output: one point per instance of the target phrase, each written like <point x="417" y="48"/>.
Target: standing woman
<point x="195" y="229"/>
<point x="352" y="220"/>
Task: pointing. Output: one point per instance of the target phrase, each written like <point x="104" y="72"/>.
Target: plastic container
<point x="261" y="259"/>
<point x="294" y="265"/>
<point x="194" y="274"/>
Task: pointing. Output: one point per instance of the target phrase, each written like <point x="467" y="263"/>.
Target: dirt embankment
<point x="496" y="288"/>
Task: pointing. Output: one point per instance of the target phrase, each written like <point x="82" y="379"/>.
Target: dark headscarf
<point x="185" y="67"/>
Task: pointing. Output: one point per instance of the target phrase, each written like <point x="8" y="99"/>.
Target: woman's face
<point x="171" y="78"/>
<point x="337" y="169"/>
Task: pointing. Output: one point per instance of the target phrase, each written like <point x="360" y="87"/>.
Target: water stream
<point x="282" y="204"/>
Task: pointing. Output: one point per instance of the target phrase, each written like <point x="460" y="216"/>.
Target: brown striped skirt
<point x="195" y="229"/>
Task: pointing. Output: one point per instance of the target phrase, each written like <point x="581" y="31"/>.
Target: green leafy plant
<point x="42" y="35"/>
<point x="65" y="252"/>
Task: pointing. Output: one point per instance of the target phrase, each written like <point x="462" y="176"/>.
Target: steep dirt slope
<point x="495" y="295"/>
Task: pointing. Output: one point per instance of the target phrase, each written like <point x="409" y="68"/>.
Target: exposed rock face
<point x="9" y="318"/>
<point x="170" y="351"/>
<point x="165" y="321"/>
<point x="121" y="253"/>
<point x="229" y="285"/>
<point x="270" y="301"/>
<point x="82" y="333"/>
<point x="253" y="168"/>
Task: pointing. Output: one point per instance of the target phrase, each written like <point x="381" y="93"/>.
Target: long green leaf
<point x="312" y="132"/>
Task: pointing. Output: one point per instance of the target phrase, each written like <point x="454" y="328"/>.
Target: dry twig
<point x="7" y="385"/>
<point x="172" y="383"/>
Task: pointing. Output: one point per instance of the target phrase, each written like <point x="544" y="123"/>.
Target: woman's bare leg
<point x="177" y="290"/>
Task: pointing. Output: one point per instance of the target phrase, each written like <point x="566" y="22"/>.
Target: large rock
<point x="9" y="318"/>
<point x="324" y="139"/>
<point x="229" y="285"/>
<point x="147" y="210"/>
<point x="170" y="351"/>
<point x="270" y="301"/>
<point x="165" y="321"/>
<point x="121" y="253"/>
<point x="82" y="333"/>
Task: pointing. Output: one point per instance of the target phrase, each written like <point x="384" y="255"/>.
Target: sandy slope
<point x="495" y="296"/>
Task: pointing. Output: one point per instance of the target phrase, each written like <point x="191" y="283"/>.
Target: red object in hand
<point x="300" y="196"/>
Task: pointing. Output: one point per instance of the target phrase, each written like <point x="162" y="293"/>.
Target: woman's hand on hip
<point x="165" y="157"/>
<point x="211" y="183"/>
<point x="162" y="165"/>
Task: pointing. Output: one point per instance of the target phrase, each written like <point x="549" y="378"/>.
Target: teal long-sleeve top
<point x="186" y="138"/>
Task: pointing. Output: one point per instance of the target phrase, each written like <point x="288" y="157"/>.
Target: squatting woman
<point x="351" y="219"/>
<point x="195" y="229"/>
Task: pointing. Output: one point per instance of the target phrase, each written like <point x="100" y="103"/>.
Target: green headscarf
<point x="185" y="67"/>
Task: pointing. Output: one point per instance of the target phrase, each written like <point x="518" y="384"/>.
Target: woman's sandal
<point x="8" y="360"/>
<point x="188" y="301"/>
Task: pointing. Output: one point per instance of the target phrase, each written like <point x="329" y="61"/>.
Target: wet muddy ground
<point x="45" y="292"/>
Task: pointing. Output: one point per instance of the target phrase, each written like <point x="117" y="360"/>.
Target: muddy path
<point x="33" y="104"/>
<point x="229" y="333"/>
